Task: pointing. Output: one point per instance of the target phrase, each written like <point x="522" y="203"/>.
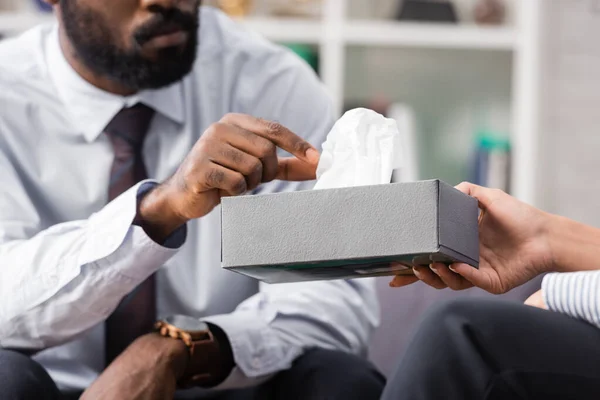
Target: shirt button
<point x="256" y="362"/>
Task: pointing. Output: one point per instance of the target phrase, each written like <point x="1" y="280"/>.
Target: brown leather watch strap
<point x="204" y="368"/>
<point x="218" y="355"/>
<point x="211" y="357"/>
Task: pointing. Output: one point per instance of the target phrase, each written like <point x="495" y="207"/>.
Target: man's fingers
<point x="451" y="279"/>
<point x="301" y="168"/>
<point x="427" y="276"/>
<point x="255" y="145"/>
<point x="293" y="169"/>
<point x="226" y="180"/>
<point x="237" y="160"/>
<point x="276" y="133"/>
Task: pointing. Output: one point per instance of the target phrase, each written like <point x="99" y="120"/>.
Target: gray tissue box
<point x="348" y="233"/>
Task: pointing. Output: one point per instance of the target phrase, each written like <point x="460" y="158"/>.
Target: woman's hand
<point x="513" y="242"/>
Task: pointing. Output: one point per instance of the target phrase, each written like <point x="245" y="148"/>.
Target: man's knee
<point x="21" y="378"/>
<point x="328" y="374"/>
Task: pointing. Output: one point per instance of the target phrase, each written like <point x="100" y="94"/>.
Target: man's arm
<point x="58" y="282"/>
<point x="148" y="369"/>
<point x="273" y="328"/>
<point x="71" y="276"/>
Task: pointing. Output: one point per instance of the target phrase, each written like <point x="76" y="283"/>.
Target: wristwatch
<point x="206" y="363"/>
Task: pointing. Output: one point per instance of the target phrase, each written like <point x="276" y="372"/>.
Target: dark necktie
<point x="136" y="314"/>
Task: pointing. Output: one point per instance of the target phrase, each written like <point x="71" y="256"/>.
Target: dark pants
<point x="318" y="375"/>
<point x="488" y="349"/>
<point x="23" y="379"/>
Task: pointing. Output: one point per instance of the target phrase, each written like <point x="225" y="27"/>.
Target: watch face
<point x="187" y="324"/>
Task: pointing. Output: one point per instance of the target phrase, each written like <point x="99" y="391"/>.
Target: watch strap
<point x="204" y="367"/>
<point x="211" y="356"/>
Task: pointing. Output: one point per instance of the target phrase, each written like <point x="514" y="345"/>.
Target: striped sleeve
<point x="575" y="293"/>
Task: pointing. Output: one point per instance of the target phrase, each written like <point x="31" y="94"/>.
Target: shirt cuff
<point x="176" y="239"/>
<point x="257" y="350"/>
<point x="111" y="235"/>
<point x="576" y="294"/>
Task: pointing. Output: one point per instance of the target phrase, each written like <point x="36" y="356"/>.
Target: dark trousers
<point x="488" y="349"/>
<point x="318" y="375"/>
<point x="22" y="378"/>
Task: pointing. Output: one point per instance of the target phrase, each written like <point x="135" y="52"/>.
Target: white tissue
<point x="363" y="148"/>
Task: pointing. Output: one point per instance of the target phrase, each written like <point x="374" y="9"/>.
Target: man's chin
<point x="163" y="77"/>
<point x="165" y="68"/>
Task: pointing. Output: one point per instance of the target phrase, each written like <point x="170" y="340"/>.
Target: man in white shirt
<point x="485" y="349"/>
<point x="121" y="127"/>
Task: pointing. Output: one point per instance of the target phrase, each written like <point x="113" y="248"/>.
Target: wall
<point x="569" y="166"/>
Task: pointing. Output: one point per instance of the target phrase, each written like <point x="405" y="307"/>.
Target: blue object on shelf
<point x="492" y="161"/>
<point x="43" y="6"/>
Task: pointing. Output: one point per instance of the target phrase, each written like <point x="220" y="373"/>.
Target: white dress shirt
<point x="67" y="257"/>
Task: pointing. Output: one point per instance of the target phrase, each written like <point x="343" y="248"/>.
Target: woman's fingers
<point x="403" y="280"/>
<point x="426" y="275"/>
<point x="451" y="279"/>
<point x="437" y="275"/>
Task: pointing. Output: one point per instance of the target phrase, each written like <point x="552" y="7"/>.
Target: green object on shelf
<point x="307" y="53"/>
<point x="493" y="141"/>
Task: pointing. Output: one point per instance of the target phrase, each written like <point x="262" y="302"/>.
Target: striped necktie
<point x="136" y="314"/>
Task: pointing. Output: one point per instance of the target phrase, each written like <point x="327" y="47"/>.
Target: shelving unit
<point x="338" y="37"/>
<point x="379" y="33"/>
<point x="368" y="33"/>
<point x="286" y="30"/>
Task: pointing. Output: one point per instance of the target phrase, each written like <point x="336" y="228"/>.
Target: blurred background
<point x="499" y="92"/>
<point x="446" y="70"/>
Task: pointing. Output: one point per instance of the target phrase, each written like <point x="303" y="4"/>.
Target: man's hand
<point x="232" y="157"/>
<point x="513" y="243"/>
<point x="147" y="370"/>
<point x="537" y="300"/>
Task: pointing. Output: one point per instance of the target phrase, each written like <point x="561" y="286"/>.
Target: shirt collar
<point x="91" y="108"/>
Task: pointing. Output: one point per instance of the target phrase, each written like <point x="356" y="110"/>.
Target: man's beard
<point x="95" y="46"/>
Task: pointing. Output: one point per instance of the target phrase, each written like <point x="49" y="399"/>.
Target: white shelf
<point x="388" y="33"/>
<point x="378" y="33"/>
<point x="286" y="30"/>
<point x="429" y="35"/>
